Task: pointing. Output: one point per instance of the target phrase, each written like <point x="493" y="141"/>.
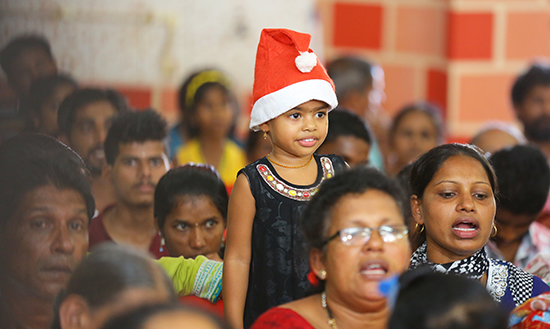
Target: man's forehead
<point x="145" y="149"/>
<point x="539" y="89"/>
<point x="51" y="199"/>
<point x="100" y="109"/>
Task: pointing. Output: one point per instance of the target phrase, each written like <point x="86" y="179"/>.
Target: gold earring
<point x="496" y="231"/>
<point x="265" y="134"/>
<point x="421" y="228"/>
<point x="323" y="274"/>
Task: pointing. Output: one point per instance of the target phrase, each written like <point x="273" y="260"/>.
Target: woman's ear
<point x="416" y="208"/>
<point x="74" y="313"/>
<point x="316" y="262"/>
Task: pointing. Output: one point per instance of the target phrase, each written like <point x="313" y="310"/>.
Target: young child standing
<point x="266" y="262"/>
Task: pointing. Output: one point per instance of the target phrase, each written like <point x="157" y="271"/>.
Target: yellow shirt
<point x="233" y="159"/>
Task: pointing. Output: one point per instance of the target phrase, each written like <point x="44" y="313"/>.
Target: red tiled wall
<point x="138" y="97"/>
<point x="437" y="89"/>
<point x="483" y="97"/>
<point x="528" y="35"/>
<point x="357" y="25"/>
<point x="400" y="83"/>
<point x="470" y="36"/>
<point x="420" y="30"/>
<point x="460" y="54"/>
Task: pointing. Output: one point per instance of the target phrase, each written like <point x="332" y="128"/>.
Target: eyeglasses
<point x="353" y="236"/>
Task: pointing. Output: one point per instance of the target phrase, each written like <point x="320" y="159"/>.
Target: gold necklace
<point x="290" y="167"/>
<point x="331" y="321"/>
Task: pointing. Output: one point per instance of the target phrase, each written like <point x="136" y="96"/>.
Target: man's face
<point x="44" y="241"/>
<point x="136" y="172"/>
<point x="31" y="64"/>
<point x="89" y="131"/>
<point x="534" y="113"/>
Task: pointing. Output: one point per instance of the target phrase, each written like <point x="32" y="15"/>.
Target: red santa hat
<point x="287" y="74"/>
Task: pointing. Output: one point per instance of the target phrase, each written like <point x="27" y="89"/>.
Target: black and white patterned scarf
<point x="502" y="275"/>
<point x="472" y="267"/>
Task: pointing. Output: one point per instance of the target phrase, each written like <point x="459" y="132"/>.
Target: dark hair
<point x="192" y="180"/>
<point x="43" y="88"/>
<point x="136" y="319"/>
<point x="536" y="74"/>
<point x="316" y="217"/>
<point x="425" y="168"/>
<point x="193" y="90"/>
<point x="109" y="271"/>
<point x="350" y="74"/>
<point x="404" y="179"/>
<point x="429" y="109"/>
<point x="30" y="161"/>
<point x="17" y="45"/>
<point x="134" y="126"/>
<point x="432" y="300"/>
<point x="346" y="123"/>
<point x="523" y="179"/>
<point x="83" y="97"/>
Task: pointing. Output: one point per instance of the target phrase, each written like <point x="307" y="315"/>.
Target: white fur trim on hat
<point x="278" y="102"/>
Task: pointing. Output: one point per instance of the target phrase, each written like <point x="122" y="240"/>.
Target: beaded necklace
<point x="331" y="321"/>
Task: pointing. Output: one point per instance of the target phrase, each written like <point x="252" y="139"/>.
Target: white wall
<point x="155" y="42"/>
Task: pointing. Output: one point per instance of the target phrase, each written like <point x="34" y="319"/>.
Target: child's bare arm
<point x="240" y="218"/>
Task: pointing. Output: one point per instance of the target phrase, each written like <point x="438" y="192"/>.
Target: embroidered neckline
<point x="298" y="194"/>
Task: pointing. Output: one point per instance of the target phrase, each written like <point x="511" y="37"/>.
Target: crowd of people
<point x="330" y="214"/>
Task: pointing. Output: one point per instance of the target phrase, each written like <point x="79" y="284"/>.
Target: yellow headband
<point x="202" y="78"/>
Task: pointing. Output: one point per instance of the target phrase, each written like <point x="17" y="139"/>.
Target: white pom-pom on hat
<point x="306" y="61"/>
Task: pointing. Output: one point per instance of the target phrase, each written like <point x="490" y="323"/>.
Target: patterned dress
<point x="279" y="262"/>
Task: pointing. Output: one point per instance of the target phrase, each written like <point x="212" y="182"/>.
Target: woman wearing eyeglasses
<point x="453" y="203"/>
<point x="357" y="236"/>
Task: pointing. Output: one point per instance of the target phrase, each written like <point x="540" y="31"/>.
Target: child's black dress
<point x="279" y="261"/>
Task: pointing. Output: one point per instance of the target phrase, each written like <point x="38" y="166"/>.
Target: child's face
<point x="214" y="115"/>
<point x="194" y="227"/>
<point x="414" y="136"/>
<point x="300" y="131"/>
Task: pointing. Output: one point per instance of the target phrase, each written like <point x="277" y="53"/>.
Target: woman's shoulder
<point x="281" y="317"/>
